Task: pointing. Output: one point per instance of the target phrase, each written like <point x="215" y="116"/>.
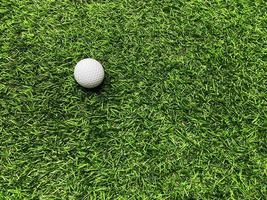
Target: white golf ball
<point x="89" y="73"/>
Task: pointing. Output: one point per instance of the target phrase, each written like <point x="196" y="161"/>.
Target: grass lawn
<point x="181" y="114"/>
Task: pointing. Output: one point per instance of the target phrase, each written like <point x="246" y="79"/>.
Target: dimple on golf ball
<point x="89" y="73"/>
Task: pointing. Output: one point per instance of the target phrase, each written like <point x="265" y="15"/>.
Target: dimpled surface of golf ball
<point x="89" y="73"/>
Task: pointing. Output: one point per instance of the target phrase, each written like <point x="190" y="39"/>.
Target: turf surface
<point x="181" y="113"/>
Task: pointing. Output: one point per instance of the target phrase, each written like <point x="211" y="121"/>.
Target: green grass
<point x="181" y="114"/>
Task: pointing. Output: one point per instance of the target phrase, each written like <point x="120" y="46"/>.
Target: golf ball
<point x="89" y="73"/>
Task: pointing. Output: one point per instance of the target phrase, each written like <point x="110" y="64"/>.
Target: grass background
<point x="181" y="113"/>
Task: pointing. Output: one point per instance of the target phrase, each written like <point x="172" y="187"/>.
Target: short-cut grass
<point x="181" y="113"/>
